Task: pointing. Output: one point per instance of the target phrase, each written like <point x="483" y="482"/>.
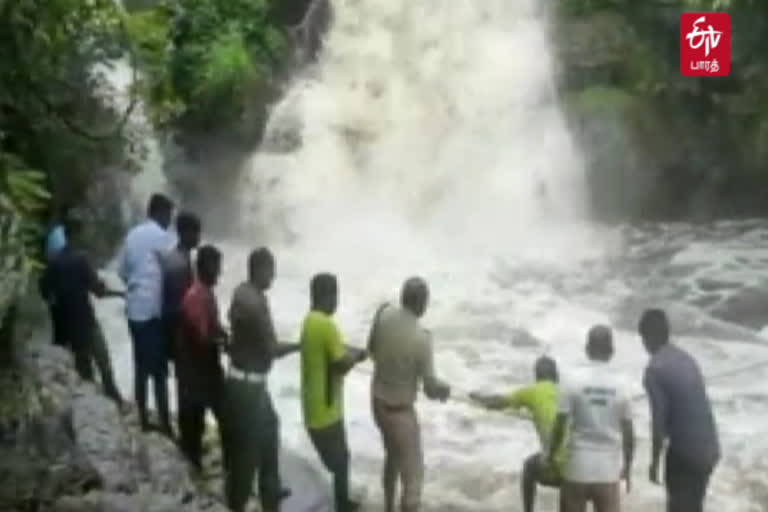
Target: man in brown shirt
<point x="251" y="418"/>
<point x="401" y="351"/>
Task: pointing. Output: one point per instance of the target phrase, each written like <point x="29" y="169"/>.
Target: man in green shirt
<point x="324" y="363"/>
<point x="541" y="399"/>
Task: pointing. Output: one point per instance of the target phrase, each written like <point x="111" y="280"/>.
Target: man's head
<point x="600" y="343"/>
<point x="160" y="209"/>
<point x="72" y="223"/>
<point x="654" y="329"/>
<point x="324" y="292"/>
<point x="261" y="268"/>
<point x="208" y="265"/>
<point x="545" y="368"/>
<point x="415" y="295"/>
<point x="188" y="227"/>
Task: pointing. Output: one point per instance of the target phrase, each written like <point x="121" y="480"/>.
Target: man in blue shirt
<point x="682" y="416"/>
<point x="55" y="241"/>
<point x="141" y="271"/>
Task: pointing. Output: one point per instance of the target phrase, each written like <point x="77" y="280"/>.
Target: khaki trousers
<point x="404" y="461"/>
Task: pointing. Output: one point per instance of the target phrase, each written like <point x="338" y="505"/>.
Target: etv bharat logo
<point x="705" y="44"/>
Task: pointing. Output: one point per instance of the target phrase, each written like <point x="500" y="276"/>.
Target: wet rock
<point x="706" y="301"/>
<point x="164" y="468"/>
<point x="715" y="285"/>
<point x="747" y="307"/>
<point x="72" y="450"/>
<point x="105" y="442"/>
<point x="522" y="338"/>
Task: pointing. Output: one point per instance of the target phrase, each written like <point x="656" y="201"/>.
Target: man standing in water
<point x="324" y="363"/>
<point x="198" y="366"/>
<point x="141" y="271"/>
<point x="67" y="282"/>
<point x="681" y="414"/>
<point x="541" y="399"/>
<point x="401" y="350"/>
<point x="252" y="423"/>
<point x="601" y="429"/>
<point x="178" y="275"/>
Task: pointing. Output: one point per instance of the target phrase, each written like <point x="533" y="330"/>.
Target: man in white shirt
<point x="141" y="271"/>
<point x="600" y="415"/>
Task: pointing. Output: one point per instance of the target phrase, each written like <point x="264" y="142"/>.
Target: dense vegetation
<point x="199" y="66"/>
<point x="658" y="144"/>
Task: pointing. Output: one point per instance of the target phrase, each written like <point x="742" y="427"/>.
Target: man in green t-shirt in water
<point x="324" y="363"/>
<point x="541" y="399"/>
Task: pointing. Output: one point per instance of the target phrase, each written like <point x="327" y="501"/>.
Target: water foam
<point x="426" y="131"/>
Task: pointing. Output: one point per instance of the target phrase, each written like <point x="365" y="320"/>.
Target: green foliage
<point x="56" y="130"/>
<point x="705" y="137"/>
<point x="209" y="63"/>
<point x="22" y="198"/>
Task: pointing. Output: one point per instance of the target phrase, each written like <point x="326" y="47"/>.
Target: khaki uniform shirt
<point x="401" y="351"/>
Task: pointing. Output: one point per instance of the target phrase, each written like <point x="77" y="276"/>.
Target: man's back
<point x="141" y="271"/>
<point x="177" y="278"/>
<point x="681" y="406"/>
<point x="253" y="334"/>
<point x="597" y="404"/>
<point x="69" y="280"/>
<point x="400" y="349"/>
<point x="321" y="387"/>
<point x="542" y="400"/>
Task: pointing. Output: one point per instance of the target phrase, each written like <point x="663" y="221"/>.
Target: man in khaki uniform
<point x="401" y="351"/>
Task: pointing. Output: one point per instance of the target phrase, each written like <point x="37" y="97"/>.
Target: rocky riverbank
<point x="74" y="451"/>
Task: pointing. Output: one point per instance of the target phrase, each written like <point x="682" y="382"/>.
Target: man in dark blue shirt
<point x="682" y="415"/>
<point x="67" y="282"/>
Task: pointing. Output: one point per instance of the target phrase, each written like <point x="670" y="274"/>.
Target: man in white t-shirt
<point x="598" y="408"/>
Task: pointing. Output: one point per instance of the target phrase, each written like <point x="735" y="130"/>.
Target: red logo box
<point x="705" y="44"/>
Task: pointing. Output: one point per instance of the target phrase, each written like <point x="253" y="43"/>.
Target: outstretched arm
<point x="493" y="402"/>
<point x="628" y="444"/>
<point x="658" y="404"/>
<point x="434" y="388"/>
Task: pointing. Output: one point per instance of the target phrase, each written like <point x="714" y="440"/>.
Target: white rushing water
<point x="432" y="144"/>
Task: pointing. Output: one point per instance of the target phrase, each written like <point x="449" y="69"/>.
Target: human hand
<point x="444" y="392"/>
<point x="626" y="475"/>
<point x="653" y="472"/>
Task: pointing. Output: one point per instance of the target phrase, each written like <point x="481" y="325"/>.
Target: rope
<point x="729" y="373"/>
<point x="457" y="395"/>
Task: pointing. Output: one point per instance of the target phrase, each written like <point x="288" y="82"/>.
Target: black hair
<point x="260" y="258"/>
<point x="208" y="258"/>
<point x="600" y="342"/>
<point x="323" y="286"/>
<point x="654" y="325"/>
<point x="414" y="293"/>
<point x="188" y="222"/>
<point x="159" y="204"/>
<point x="545" y="368"/>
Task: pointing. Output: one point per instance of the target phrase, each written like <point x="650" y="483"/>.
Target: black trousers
<point x="686" y="484"/>
<point x="331" y="445"/>
<point x="150" y="362"/>
<point x="191" y="423"/>
<point x="90" y="348"/>
<point x="252" y="444"/>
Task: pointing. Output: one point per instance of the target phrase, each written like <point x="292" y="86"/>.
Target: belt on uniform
<point x="250" y="377"/>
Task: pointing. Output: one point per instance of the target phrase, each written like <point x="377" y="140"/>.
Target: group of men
<point x="173" y="316"/>
<point x="586" y="431"/>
